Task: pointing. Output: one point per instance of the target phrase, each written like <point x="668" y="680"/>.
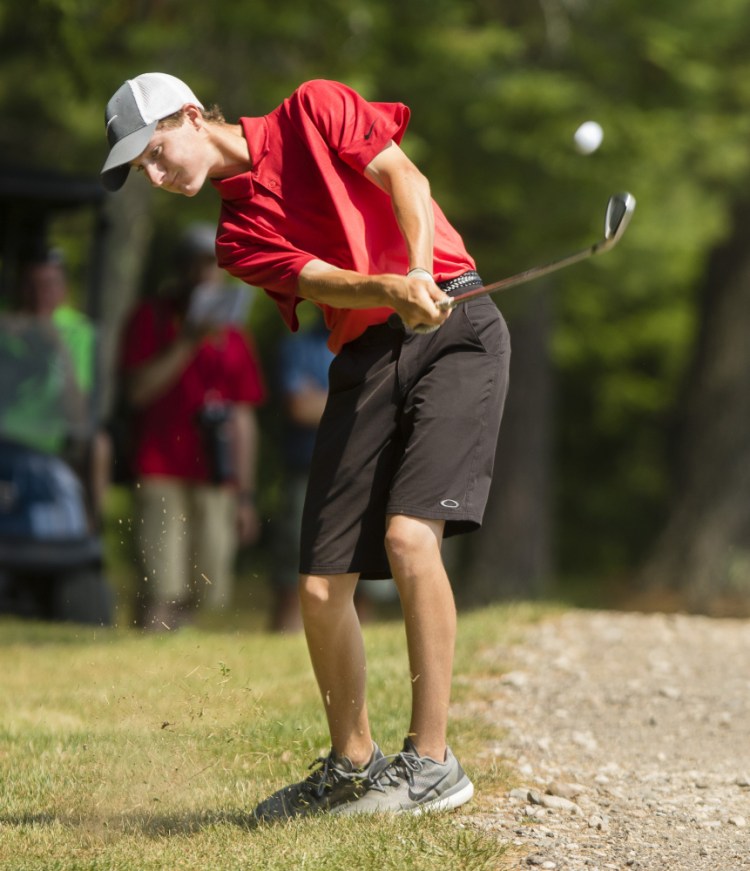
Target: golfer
<point x="319" y="203"/>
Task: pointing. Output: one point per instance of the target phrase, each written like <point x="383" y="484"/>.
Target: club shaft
<point x="528" y="275"/>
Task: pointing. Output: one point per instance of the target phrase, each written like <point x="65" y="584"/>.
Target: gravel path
<point x="630" y="738"/>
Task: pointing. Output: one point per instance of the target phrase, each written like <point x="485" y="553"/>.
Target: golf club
<point x="619" y="211"/>
<point x="616" y="219"/>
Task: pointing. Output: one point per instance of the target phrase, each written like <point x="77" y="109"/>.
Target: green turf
<point x="123" y="751"/>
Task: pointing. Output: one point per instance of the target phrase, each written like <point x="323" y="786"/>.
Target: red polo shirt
<point x="307" y="198"/>
<point x="167" y="437"/>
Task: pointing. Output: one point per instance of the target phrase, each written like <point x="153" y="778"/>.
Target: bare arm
<point x="305" y="406"/>
<point x="246" y="439"/>
<point x="413" y="297"/>
<point x="152" y="378"/>
<point x="409" y="190"/>
<point x="246" y="436"/>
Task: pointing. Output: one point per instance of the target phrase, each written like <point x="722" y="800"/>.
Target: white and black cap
<point x="131" y="117"/>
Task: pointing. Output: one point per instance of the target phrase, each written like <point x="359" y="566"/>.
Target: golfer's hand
<point x="419" y="307"/>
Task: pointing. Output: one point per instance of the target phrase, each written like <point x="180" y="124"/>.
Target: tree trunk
<point x="511" y="557"/>
<point x="128" y="234"/>
<point x="701" y="561"/>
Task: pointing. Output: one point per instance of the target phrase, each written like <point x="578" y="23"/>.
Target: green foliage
<point x="496" y="91"/>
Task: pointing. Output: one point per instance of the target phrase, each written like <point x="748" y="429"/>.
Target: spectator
<point x="302" y="378"/>
<point x="192" y="379"/>
<point x="43" y="298"/>
<point x="53" y="459"/>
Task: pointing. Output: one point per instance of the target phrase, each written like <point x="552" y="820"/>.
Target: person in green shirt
<point x="50" y="347"/>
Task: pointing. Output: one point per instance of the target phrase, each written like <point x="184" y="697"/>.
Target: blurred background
<point x="623" y="475"/>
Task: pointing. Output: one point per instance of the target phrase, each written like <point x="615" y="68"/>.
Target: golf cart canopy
<point x="30" y="201"/>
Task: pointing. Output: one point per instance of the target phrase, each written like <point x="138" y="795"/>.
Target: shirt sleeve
<point x="356" y="129"/>
<point x="261" y="257"/>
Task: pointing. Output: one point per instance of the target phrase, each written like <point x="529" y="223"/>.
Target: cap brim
<point x="117" y="165"/>
<point x="115" y="178"/>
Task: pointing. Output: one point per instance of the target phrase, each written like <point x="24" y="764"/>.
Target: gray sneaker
<point x="333" y="782"/>
<point x="409" y="783"/>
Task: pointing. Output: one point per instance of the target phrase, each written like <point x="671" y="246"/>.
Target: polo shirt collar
<point x="255" y="131"/>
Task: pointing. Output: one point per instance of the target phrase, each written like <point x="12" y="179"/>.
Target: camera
<point x="213" y="420"/>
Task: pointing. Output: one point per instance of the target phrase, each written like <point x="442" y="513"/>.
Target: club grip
<point x="395" y="322"/>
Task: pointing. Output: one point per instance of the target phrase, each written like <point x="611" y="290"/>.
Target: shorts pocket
<point x="487" y="325"/>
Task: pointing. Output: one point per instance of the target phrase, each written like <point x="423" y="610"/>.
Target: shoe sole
<point x="460" y="794"/>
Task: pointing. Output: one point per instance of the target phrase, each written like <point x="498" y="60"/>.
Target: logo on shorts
<point x="449" y="503"/>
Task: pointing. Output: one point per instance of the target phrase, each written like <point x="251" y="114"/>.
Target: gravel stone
<point x="627" y="735"/>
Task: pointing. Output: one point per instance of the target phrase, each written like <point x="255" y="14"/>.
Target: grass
<point x="124" y="751"/>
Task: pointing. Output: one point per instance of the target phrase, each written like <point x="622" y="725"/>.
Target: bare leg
<point x="430" y="620"/>
<point x="101" y="463"/>
<point x="334" y="640"/>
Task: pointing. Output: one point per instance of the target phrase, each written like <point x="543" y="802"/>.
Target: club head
<point x="619" y="211"/>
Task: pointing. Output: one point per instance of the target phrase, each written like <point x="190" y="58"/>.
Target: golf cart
<point x="51" y="551"/>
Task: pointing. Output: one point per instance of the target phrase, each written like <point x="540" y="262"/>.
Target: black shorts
<point x="410" y="427"/>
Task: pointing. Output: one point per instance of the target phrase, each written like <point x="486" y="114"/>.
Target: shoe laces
<point x="390" y="770"/>
<point x="327" y="774"/>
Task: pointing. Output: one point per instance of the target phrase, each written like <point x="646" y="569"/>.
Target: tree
<point x="496" y="92"/>
<point x="702" y="558"/>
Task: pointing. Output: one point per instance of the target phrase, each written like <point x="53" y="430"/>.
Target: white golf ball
<point x="588" y="137"/>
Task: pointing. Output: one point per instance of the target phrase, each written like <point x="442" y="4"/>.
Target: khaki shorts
<point x="411" y="428"/>
<point x="187" y="541"/>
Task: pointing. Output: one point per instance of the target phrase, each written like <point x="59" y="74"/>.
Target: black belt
<point x="466" y="281"/>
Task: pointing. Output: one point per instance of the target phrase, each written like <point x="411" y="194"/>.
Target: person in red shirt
<point x="193" y="384"/>
<point x="320" y="203"/>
